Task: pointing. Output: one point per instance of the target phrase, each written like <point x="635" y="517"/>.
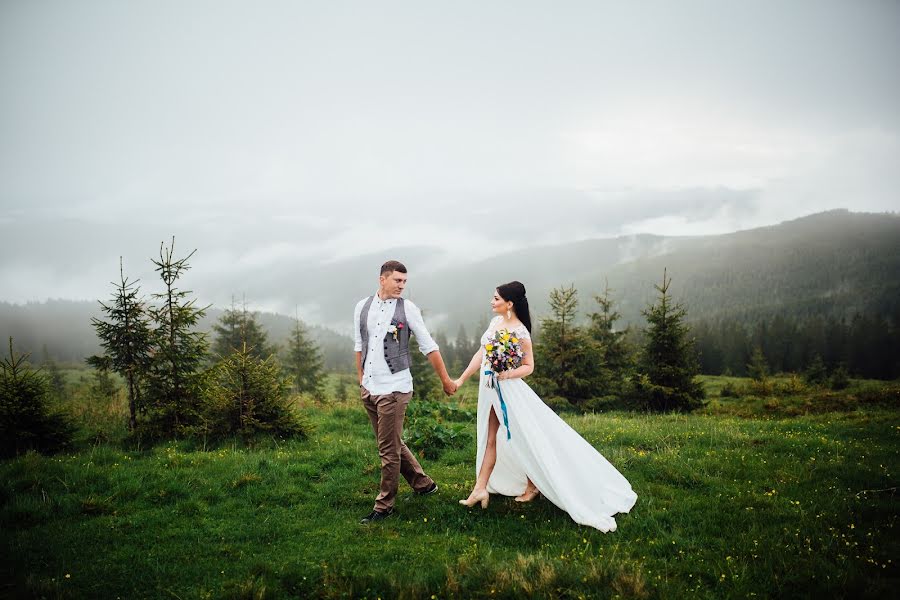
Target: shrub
<point x="794" y="386"/>
<point x="885" y="396"/>
<point x="602" y="403"/>
<point x="430" y="438"/>
<point x="652" y="396"/>
<point x="759" y="387"/>
<point x="730" y="390"/>
<point x="557" y="403"/>
<point x="433" y="427"/>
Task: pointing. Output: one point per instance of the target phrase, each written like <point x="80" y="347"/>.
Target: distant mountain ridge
<point x="831" y="263"/>
<point x="835" y="264"/>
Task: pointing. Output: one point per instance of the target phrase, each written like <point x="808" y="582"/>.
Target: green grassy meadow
<point x="747" y="498"/>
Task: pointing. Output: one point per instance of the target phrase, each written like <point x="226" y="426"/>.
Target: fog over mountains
<point x="835" y="263"/>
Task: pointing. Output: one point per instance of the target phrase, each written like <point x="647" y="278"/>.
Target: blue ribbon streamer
<point x="496" y="384"/>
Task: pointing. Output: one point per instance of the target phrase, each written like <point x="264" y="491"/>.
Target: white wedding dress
<point x="566" y="469"/>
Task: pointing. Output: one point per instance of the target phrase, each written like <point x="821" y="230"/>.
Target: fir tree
<point x="237" y="327"/>
<point x="758" y="368"/>
<point x="247" y="395"/>
<point x="304" y="361"/>
<point x="840" y="378"/>
<point x="126" y="339"/>
<point x="816" y="373"/>
<point x="615" y="356"/>
<point x="342" y="389"/>
<point x="569" y="364"/>
<point x="104" y="385"/>
<point x="669" y="360"/>
<point x="26" y="419"/>
<point x="175" y="368"/>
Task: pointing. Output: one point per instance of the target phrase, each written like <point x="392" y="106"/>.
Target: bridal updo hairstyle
<point x="515" y="292"/>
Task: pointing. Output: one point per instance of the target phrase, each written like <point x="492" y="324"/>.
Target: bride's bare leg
<point x="479" y="492"/>
<point x="490" y="453"/>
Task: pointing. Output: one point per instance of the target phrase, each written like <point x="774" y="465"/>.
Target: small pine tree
<point x="758" y="368"/>
<point x="237" y="327"/>
<point x="104" y="385"/>
<point x="26" y="419"/>
<point x="816" y="373"/>
<point x="570" y="362"/>
<point x="174" y="376"/>
<point x="669" y="360"/>
<point x="304" y="361"/>
<point x="840" y="378"/>
<point x="126" y="339"/>
<point x="615" y="355"/>
<point x="342" y="388"/>
<point x="247" y="395"/>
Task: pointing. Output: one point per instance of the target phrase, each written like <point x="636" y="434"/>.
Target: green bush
<point x="730" y="390"/>
<point x="759" y="387"/>
<point x="794" y="386"/>
<point x="557" y="403"/>
<point x="433" y="427"/>
<point x="651" y="396"/>
<point x="884" y="396"/>
<point x="430" y="438"/>
<point x="602" y="403"/>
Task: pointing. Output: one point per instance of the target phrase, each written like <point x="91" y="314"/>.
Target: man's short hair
<point x="391" y="266"/>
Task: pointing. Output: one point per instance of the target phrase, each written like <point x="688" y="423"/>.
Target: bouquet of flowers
<point x="502" y="352"/>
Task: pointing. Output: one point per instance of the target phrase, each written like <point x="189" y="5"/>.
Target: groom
<point x="382" y="325"/>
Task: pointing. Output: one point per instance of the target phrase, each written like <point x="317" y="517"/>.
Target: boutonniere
<point x="394" y="329"/>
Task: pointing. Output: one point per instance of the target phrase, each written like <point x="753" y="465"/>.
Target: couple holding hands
<point x="537" y="453"/>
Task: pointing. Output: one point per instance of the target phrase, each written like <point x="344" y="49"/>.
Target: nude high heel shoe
<point x="529" y="495"/>
<point x="474" y="499"/>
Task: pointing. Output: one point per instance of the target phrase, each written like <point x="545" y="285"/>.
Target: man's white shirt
<point x="377" y="376"/>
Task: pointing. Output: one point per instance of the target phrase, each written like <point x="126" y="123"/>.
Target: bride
<point x="537" y="453"/>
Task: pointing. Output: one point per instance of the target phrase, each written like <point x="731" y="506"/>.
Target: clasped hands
<point x="450" y="386"/>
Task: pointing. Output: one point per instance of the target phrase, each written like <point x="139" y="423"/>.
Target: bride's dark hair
<point x="515" y="292"/>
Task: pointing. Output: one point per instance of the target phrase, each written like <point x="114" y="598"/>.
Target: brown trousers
<point x="386" y="412"/>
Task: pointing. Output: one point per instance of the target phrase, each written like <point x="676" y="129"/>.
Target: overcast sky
<point x="267" y="132"/>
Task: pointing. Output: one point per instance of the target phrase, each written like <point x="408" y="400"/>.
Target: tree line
<point x="596" y="364"/>
<point x="867" y="345"/>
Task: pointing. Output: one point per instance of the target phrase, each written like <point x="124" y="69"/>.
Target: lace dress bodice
<point x="497" y="323"/>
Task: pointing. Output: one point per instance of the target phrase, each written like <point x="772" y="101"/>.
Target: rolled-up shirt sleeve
<point x="357" y="338"/>
<point x="427" y="345"/>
